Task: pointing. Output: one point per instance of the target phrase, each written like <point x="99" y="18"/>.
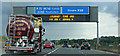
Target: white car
<point x="110" y="45"/>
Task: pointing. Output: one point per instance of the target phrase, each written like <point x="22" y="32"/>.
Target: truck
<point x="24" y="34"/>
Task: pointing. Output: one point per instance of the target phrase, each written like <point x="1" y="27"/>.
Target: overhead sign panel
<point x="63" y="13"/>
<point x="61" y="10"/>
<point x="47" y="10"/>
<point x="75" y="10"/>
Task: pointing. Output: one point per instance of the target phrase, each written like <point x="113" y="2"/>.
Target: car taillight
<point x="50" y="44"/>
<point x="82" y="45"/>
<point x="44" y="44"/>
<point x="6" y="48"/>
<point x="30" y="48"/>
<point x="88" y="45"/>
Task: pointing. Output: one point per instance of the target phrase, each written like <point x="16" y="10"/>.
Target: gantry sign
<point x="64" y="13"/>
<point x="61" y="13"/>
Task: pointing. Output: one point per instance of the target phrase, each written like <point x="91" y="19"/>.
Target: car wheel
<point x="38" y="50"/>
<point x="35" y="51"/>
<point x="81" y="49"/>
<point x="67" y="47"/>
<point x="43" y="47"/>
<point x="51" y="47"/>
<point x="89" y="49"/>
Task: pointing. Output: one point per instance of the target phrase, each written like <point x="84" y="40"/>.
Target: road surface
<point x="67" y="52"/>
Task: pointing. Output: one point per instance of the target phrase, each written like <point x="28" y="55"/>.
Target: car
<point x="75" y="45"/>
<point x="69" y="46"/>
<point x="110" y="45"/>
<point x="85" y="45"/>
<point x="47" y="44"/>
<point x="65" y="45"/>
<point x="118" y="44"/>
<point x="53" y="45"/>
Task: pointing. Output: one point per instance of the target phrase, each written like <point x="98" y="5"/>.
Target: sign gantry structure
<point x="61" y="13"/>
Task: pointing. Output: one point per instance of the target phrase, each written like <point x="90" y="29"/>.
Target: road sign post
<point x="98" y="45"/>
<point x="97" y="32"/>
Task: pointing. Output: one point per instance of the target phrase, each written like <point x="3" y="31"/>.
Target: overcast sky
<point x="108" y="20"/>
<point x="60" y="0"/>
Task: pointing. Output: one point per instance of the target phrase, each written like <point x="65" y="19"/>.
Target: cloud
<point x="107" y="27"/>
<point x="108" y="24"/>
<point x="105" y="8"/>
<point x="0" y="17"/>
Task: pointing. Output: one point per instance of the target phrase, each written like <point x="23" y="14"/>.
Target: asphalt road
<point x="67" y="52"/>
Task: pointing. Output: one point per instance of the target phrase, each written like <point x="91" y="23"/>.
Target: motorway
<point x="67" y="52"/>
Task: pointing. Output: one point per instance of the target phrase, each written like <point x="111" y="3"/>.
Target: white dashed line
<point x="52" y="51"/>
<point x="82" y="53"/>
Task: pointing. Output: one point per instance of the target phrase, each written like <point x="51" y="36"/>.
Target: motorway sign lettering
<point x="61" y="10"/>
<point x="75" y="10"/>
<point x="47" y="10"/>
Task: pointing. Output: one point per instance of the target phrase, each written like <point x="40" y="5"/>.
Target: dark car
<point x="53" y="45"/>
<point x="75" y="45"/>
<point x="65" y="45"/>
<point x="85" y="45"/>
<point x="47" y="44"/>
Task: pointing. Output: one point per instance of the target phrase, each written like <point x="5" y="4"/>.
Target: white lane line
<point x="82" y="53"/>
<point x="52" y="51"/>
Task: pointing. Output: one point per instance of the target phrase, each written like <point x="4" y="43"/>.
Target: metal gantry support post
<point x="97" y="32"/>
<point x="97" y="35"/>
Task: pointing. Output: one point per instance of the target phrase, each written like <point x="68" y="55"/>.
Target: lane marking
<point x="53" y="51"/>
<point x="82" y="53"/>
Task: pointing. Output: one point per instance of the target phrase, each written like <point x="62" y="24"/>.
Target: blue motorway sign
<point x="47" y="10"/>
<point x="75" y="10"/>
<point x="61" y="10"/>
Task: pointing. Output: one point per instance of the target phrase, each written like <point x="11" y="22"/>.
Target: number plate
<point x="86" y="47"/>
<point x="47" y="46"/>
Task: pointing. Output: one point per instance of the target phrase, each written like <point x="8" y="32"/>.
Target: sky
<point x="0" y="18"/>
<point x="108" y="20"/>
<point x="60" y="0"/>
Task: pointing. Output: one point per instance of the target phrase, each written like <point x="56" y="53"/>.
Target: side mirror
<point x="43" y="30"/>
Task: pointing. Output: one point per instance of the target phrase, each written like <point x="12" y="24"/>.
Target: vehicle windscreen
<point x="75" y="44"/>
<point x="85" y="43"/>
<point x="65" y="44"/>
<point x="47" y="42"/>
